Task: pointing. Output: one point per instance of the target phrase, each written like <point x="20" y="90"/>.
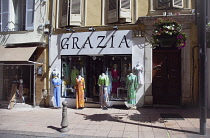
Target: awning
<point x="16" y="54"/>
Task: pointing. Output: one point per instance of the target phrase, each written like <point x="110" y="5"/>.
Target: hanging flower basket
<point x="167" y="33"/>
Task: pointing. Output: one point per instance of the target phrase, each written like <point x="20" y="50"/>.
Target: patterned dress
<point x="80" y="86"/>
<point x="131" y="83"/>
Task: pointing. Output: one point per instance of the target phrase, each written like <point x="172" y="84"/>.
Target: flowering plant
<point x="167" y="27"/>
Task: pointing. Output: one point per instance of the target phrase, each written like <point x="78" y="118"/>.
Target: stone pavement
<point x="94" y="122"/>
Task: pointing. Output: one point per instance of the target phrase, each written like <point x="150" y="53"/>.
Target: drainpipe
<point x="203" y="65"/>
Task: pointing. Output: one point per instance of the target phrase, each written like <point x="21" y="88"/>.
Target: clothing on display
<point x="109" y="88"/>
<point x="74" y="74"/>
<point x="56" y="83"/>
<point x="138" y="70"/>
<point x="80" y="86"/>
<point x="103" y="82"/>
<point x="115" y="77"/>
<point x="132" y="85"/>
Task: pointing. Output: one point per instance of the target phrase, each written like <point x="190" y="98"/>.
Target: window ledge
<point x="175" y="11"/>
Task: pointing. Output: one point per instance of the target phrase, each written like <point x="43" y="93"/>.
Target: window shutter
<point x="125" y="10"/>
<point x="177" y="3"/>
<point x="29" y="14"/>
<point x="75" y="16"/>
<point x="4" y="15"/>
<point x="64" y="6"/>
<point x="113" y="11"/>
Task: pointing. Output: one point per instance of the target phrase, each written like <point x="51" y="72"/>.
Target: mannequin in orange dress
<point x="80" y="86"/>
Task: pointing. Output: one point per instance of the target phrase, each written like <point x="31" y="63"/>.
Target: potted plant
<point x="168" y="33"/>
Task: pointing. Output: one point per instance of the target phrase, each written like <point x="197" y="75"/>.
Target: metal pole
<point x="202" y="66"/>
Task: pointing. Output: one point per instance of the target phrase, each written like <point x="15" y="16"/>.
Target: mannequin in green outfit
<point x="131" y="84"/>
<point x="103" y="82"/>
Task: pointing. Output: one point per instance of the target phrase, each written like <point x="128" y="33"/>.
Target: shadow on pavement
<point x="55" y="128"/>
<point x="118" y="117"/>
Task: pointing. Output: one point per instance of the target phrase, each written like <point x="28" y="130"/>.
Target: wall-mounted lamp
<point x="91" y="29"/>
<point x="70" y="30"/>
<point x="115" y="27"/>
<point x="39" y="70"/>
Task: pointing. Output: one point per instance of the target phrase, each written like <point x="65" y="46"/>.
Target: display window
<point x="116" y="67"/>
<point x="18" y="84"/>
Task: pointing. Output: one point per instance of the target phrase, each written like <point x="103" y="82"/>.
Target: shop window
<point x="70" y="13"/>
<point x="16" y="15"/>
<point x="18" y="84"/>
<point x="72" y="66"/>
<point x="117" y="67"/>
<point x="119" y="11"/>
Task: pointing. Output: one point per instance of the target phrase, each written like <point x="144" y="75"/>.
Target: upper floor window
<point x="16" y="15"/>
<point x="70" y="14"/>
<point x="119" y="11"/>
<point x="180" y="6"/>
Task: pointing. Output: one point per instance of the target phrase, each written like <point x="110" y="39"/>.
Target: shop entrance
<point x="166" y="82"/>
<point x="18" y="84"/>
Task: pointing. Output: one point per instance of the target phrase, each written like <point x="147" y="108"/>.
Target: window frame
<point x="186" y="10"/>
<point x="14" y="10"/>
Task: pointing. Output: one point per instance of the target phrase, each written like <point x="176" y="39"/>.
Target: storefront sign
<point x="89" y="43"/>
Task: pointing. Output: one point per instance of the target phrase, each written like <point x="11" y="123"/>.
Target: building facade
<point x="94" y="36"/>
<point x="23" y="61"/>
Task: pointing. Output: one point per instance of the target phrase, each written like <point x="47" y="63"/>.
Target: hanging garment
<point x="74" y="74"/>
<point x="80" y="86"/>
<point x="131" y="83"/>
<point x="66" y="72"/>
<point x="56" y="82"/>
<point x="103" y="82"/>
<point x="115" y="82"/>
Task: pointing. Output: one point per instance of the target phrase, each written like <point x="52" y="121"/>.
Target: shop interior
<point x="117" y="67"/>
<point x="18" y="84"/>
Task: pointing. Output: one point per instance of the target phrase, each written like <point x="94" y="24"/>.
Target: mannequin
<point x="131" y="84"/>
<point x="103" y="82"/>
<point x="80" y="86"/>
<point x="56" y="81"/>
<point x="74" y="74"/>
<point x="21" y="91"/>
<point x="139" y="72"/>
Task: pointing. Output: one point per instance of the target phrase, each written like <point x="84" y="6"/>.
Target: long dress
<point x="80" y="86"/>
<point x="57" y="82"/>
<point x="131" y="83"/>
<point x="115" y="82"/>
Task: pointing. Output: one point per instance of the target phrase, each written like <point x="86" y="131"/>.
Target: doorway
<point x="166" y="81"/>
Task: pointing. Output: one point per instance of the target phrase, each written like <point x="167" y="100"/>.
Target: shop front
<point x="90" y="54"/>
<point x="16" y="76"/>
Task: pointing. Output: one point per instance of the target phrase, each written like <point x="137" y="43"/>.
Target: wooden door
<point x="166" y="82"/>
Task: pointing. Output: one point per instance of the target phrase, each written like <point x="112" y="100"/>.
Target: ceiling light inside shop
<point x="94" y="58"/>
<point x="112" y="58"/>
